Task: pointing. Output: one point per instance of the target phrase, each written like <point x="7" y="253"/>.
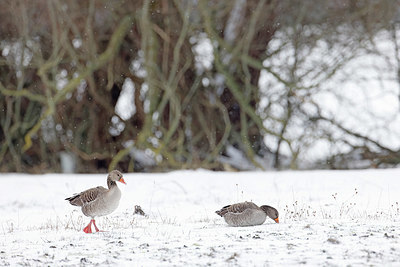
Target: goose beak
<point x="276" y="220"/>
<point x="122" y="180"/>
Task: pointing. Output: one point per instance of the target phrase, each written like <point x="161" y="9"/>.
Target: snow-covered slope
<point x="327" y="217"/>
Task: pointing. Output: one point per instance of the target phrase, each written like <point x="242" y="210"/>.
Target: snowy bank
<point x="327" y="217"/>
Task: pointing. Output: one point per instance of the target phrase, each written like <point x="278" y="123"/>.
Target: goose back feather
<point x="86" y="196"/>
<point x="236" y="208"/>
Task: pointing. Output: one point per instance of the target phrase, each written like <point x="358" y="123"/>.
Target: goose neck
<point x="111" y="184"/>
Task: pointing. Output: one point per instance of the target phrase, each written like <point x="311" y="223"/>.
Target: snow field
<point x="327" y="218"/>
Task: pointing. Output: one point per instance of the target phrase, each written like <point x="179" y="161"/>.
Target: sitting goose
<point x="99" y="201"/>
<point x="247" y="214"/>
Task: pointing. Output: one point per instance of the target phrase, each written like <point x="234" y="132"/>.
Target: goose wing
<point x="86" y="196"/>
<point x="236" y="208"/>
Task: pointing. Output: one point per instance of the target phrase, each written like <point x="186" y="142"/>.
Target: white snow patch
<point x="125" y="106"/>
<point x="203" y="50"/>
<point x="327" y="218"/>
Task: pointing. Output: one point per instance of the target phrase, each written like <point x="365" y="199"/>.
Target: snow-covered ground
<point x="326" y="218"/>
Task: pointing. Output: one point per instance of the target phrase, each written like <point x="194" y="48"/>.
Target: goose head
<point x="271" y="212"/>
<point x="116" y="176"/>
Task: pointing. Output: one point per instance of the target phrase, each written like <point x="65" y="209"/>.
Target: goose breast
<point x="104" y="204"/>
<point x="248" y="217"/>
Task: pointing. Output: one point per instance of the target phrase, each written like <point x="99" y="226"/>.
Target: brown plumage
<point x="86" y="196"/>
<point x="247" y="214"/>
<point x="99" y="201"/>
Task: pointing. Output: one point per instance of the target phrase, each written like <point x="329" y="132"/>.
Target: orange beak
<point x="276" y="220"/>
<point x="122" y="180"/>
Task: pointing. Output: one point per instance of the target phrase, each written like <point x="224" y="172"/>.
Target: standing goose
<point x="247" y="214"/>
<point x="99" y="201"/>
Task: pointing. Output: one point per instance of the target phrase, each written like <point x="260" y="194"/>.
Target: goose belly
<point x="103" y="205"/>
<point x="246" y="218"/>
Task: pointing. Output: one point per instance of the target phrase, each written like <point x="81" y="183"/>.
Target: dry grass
<point x="342" y="207"/>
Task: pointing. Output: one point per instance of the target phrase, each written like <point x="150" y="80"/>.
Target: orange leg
<point x="95" y="227"/>
<point x="88" y="228"/>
